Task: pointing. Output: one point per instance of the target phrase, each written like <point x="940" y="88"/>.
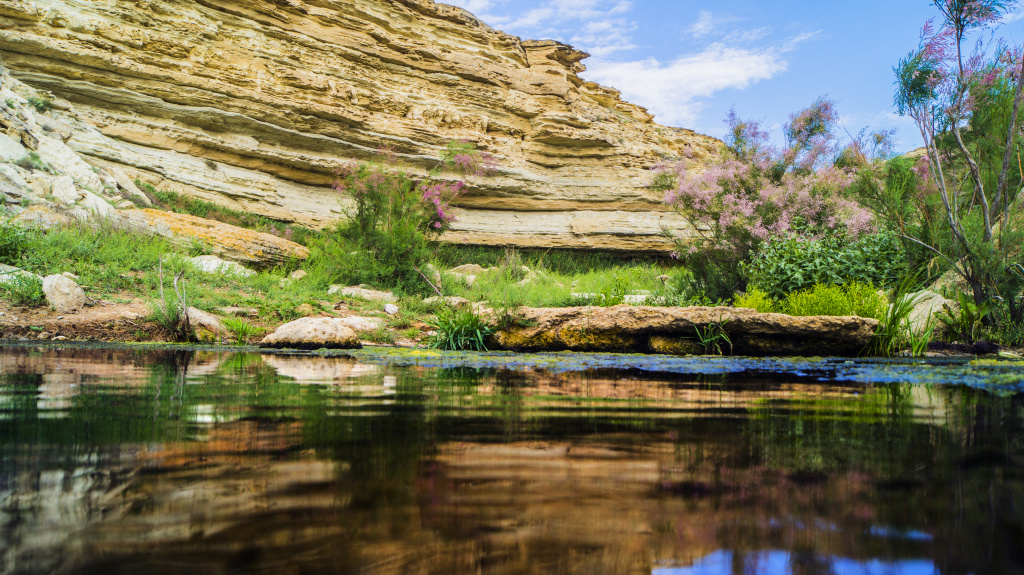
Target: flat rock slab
<point x="313" y="333"/>
<point x="673" y="330"/>
<point x="229" y="242"/>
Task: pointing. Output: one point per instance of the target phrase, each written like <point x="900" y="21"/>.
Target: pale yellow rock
<point x="224" y="240"/>
<point x="626" y="328"/>
<point x="254" y="104"/>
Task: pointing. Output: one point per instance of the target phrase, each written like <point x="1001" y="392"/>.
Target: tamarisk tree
<point x="945" y="88"/>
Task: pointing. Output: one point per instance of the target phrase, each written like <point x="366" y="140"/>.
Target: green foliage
<point x="836" y="300"/>
<point x="792" y="263"/>
<point x="40" y="104"/>
<point x="103" y="258"/>
<point x="757" y="299"/>
<point x="23" y="289"/>
<point x="13" y="243"/>
<point x="459" y="329"/>
<point x="171" y="318"/>
<point x="894" y="329"/>
<point x="394" y="217"/>
<point x="33" y="161"/>
<point x="241" y="329"/>
<point x="965" y="322"/>
<point x="713" y="336"/>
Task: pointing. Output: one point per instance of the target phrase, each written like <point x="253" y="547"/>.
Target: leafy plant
<point x="965" y="322"/>
<point x="713" y="336"/>
<point x="792" y="263"/>
<point x="393" y="219"/>
<point x="23" y="289"/>
<point x="173" y="317"/>
<point x="852" y="299"/>
<point x="894" y="324"/>
<point x="918" y="341"/>
<point x="757" y="299"/>
<point x="459" y="329"/>
<point x="242" y="330"/>
<point x="13" y="243"/>
<point x="39" y="104"/>
<point x="33" y="161"/>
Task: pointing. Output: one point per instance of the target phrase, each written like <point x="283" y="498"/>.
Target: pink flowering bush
<point x="754" y="193"/>
<point x="395" y="217"/>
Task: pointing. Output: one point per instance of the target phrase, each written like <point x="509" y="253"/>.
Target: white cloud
<point x="1013" y="17"/>
<point x="672" y="91"/>
<point x="704" y="25"/>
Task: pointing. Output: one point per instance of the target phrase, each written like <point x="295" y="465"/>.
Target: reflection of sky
<point x="780" y="563"/>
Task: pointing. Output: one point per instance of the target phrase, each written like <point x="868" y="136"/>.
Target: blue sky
<point x="689" y="62"/>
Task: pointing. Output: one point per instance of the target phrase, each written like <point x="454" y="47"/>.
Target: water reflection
<point x="209" y="462"/>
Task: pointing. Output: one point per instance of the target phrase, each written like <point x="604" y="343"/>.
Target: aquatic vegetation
<point x="459" y="328"/>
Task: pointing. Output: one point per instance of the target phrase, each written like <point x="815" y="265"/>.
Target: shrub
<point x="757" y="299"/>
<point x="39" y="104"/>
<point x="33" y="161"/>
<point x="241" y="329"/>
<point x="793" y="263"/>
<point x="754" y="193"/>
<point x="23" y="289"/>
<point x="394" y="218"/>
<point x="13" y="243"/>
<point x="825" y="299"/>
<point x="459" y="329"/>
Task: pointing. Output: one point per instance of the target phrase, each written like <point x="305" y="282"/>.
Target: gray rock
<point x="128" y="186"/>
<point x="206" y="324"/>
<point x="450" y="301"/>
<point x="64" y="191"/>
<point x="297" y="275"/>
<point x="313" y="333"/>
<point x="97" y="205"/>
<point x="12" y="174"/>
<point x="215" y="265"/>
<point x="67" y="162"/>
<point x="63" y="294"/>
<point x="926" y="305"/>
<point x="8" y="273"/>
<point x="391" y="309"/>
<point x="11" y="151"/>
<point x="362" y="293"/>
<point x="359" y="323"/>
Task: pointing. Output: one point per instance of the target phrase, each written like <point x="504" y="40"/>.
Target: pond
<point x="202" y="461"/>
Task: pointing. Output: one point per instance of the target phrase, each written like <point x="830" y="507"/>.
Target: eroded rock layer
<point x="255" y="103"/>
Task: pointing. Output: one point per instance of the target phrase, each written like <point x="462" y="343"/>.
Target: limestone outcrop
<point x="313" y="333"/>
<point x="674" y="330"/>
<point x="254" y="104"/>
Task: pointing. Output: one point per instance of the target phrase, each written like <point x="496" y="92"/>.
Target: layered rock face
<point x="254" y="104"/>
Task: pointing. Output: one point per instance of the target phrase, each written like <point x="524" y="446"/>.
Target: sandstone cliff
<point x="254" y="104"/>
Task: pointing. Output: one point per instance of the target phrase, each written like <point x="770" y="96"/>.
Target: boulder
<point x="467" y="273"/>
<point x="8" y="273"/>
<point x="63" y="294"/>
<point x="313" y="333"/>
<point x="96" y="205"/>
<point x="359" y="323"/>
<point x="362" y="293"/>
<point x="391" y="309"/>
<point x="11" y="151"/>
<point x="41" y="217"/>
<point x="450" y="301"/>
<point x="229" y="242"/>
<point x="64" y="191"/>
<point x="128" y="186"/>
<point x="215" y="265"/>
<point x="66" y="161"/>
<point x="206" y="325"/>
<point x="926" y="305"/>
<point x="636" y="329"/>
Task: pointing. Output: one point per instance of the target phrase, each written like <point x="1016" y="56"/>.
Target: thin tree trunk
<point x="1008" y="152"/>
<point x="979" y="187"/>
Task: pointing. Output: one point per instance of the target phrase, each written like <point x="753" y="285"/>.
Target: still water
<point x="159" y="460"/>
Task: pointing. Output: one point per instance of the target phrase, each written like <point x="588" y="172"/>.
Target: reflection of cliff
<point x="509" y="472"/>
